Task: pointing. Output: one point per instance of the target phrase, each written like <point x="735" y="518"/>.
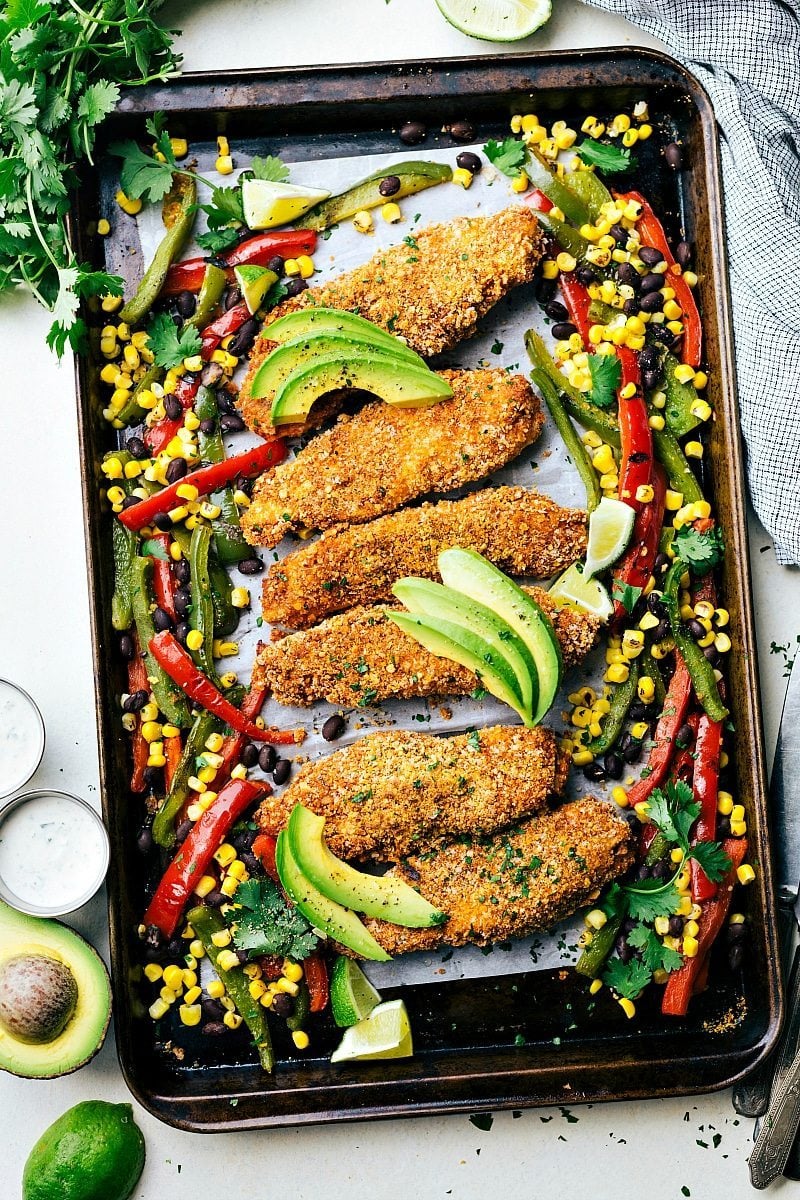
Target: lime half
<point x="385" y="1033"/>
<point x="496" y="20"/>
<point x="352" y="995"/>
<point x="610" y="528"/>
<point x="589" y="595"/>
<point x="254" y="283"/>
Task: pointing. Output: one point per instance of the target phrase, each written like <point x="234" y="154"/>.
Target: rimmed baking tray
<point x="524" y="1039"/>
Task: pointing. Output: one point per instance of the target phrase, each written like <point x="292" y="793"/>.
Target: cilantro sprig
<point x="170" y="346"/>
<point x="700" y="551"/>
<point x="266" y="924"/>
<point x="611" y="160"/>
<point x="509" y="156"/>
<point x="606" y="372"/>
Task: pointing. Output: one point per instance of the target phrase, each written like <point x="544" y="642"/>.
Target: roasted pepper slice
<point x="168" y="697"/>
<point x="139" y="305"/>
<point x="413" y="176"/>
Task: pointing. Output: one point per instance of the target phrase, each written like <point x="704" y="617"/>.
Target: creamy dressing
<point x="21" y="738"/>
<point x="52" y="852"/>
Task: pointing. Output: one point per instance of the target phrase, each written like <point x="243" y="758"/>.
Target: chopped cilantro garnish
<point x="612" y="160"/>
<point x="700" y="551"/>
<point x="267" y="924"/>
<point x="509" y="156"/>
<point x="606" y="371"/>
<point x="169" y="345"/>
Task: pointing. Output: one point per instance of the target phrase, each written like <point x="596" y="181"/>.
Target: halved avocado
<point x="461" y="645"/>
<point x="433" y="600"/>
<point x="306" y="321"/>
<point x="376" y="896"/>
<point x="55" y="997"/>
<point x="284" y="359"/>
<point x="470" y="573"/>
<point x="331" y="918"/>
<point x="385" y="375"/>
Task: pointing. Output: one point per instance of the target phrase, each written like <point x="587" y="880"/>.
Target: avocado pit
<point x="38" y="996"/>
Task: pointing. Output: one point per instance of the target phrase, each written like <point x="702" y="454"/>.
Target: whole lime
<point x="95" y="1151"/>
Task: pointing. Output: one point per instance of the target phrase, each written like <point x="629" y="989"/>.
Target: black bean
<point x="675" y="926"/>
<point x="683" y="253"/>
<point x="275" y="264"/>
<point x="183" y="572"/>
<point x="623" y="949"/>
<point x="152" y="778"/>
<point x="208" y="424"/>
<point x="282" y="1005"/>
<point x="185" y="303"/>
<point x="251" y="566"/>
<point x="213" y="1029"/>
<point x="619" y="234"/>
<point x="136" y="447"/>
<point x="182" y="631"/>
<point x="630" y="308"/>
<point x="650" y="255"/>
<point x="594" y="772"/>
<point x="231" y="298"/>
<point x="660" y="565"/>
<point x="654" y="601"/>
<point x="295" y="286"/>
<point x="674" y="156"/>
<point x="250" y="861"/>
<point x="172" y="408"/>
<point x="563" y="330"/>
<point x="211" y="374"/>
<point x="216" y="899"/>
<point x="637" y="711"/>
<point x="127" y="647"/>
<point x="632" y="753"/>
<point x="469" y="162"/>
<point x="144" y="840"/>
<point x="282" y="770"/>
<point x="153" y="937"/>
<point x="136" y="701"/>
<point x="389" y="186"/>
<point x="586" y="275"/>
<point x="176" y="469"/>
<point x="462" y="131"/>
<point x="736" y="956"/>
<point x="267" y="757"/>
<point x="544" y="289"/>
<point x="163" y="521"/>
<point x="162" y="620"/>
<point x="130" y="501"/>
<point x="660" y="870"/>
<point x="651" y="302"/>
<point x="713" y="656"/>
<point x="244" y="337"/>
<point x="662" y="630"/>
<point x="556" y="311"/>
<point x="231" y="423"/>
<point x="628" y="925"/>
<point x="628" y="274"/>
<point x="333" y="728"/>
<point x="613" y="765"/>
<point x="183" y="601"/>
<point x="183" y="831"/>
<point x="640" y="607"/>
<point x="249" y="756"/>
<point x="412" y="133"/>
<point x="695" y="628"/>
<point x="212" y="1009"/>
<point x="723" y="828"/>
<point x="225" y="402"/>
<point x="649" y="358"/>
<point x="643" y="871"/>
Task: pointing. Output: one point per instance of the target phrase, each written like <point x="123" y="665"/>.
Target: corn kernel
<point x="257" y="989"/>
<point x="627" y="1006"/>
<point x="595" y="986"/>
<point x="292" y="970"/>
<point x="392" y="213"/>
<point x="224" y="164"/>
<point x="630" y="137"/>
<point x="173" y="977"/>
<point x="628" y="392"/>
<point x="596" y="918"/>
<point x="549" y="269"/>
<point x="190" y="1014"/>
<point x="565" y="262"/>
<point x="656" y="421"/>
<point x="215" y="989"/>
<point x="221" y="938"/>
<point x="463" y="177"/>
<point x="158" y="1009"/>
<point x="194" y="639"/>
<point x="225" y="854"/>
<point x="617" y="673"/>
<point x="227" y="960"/>
<point x="691" y="928"/>
<point x="693" y="449"/>
<point x="301" y="1039"/>
<point x="642" y="810"/>
<point x="306" y="266"/>
<point x="362" y="221"/>
<point x="286" y="985"/>
<point x="229" y="885"/>
<point x="153" y="972"/>
<point x="619" y="796"/>
<point x="238" y="870"/>
<point x="690" y="947"/>
<point x="239" y="772"/>
<point x="232" y="1020"/>
<point x="582" y="758"/>
<point x="127" y="204"/>
<point x="661" y="925"/>
<point x="520" y="183"/>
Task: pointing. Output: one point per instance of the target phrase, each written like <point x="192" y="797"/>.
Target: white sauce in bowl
<point x="53" y="852"/>
<point x="21" y="738"/>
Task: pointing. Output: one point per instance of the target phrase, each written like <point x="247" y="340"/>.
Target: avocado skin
<point x="85" y="1032"/>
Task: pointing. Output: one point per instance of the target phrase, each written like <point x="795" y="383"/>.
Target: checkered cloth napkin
<point x="746" y="53"/>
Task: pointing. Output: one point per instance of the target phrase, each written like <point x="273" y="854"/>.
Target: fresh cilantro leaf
<point x="606" y="372"/>
<point x="155" y="550"/>
<point x="98" y="101"/>
<point x="509" y="156"/>
<point x="268" y="924"/>
<point x="270" y="168"/>
<point x="225" y="207"/>
<point x="700" y="551"/>
<point x="142" y="176"/>
<point x="645" y="903"/>
<point x="169" y="345"/>
<point x="217" y="240"/>
<point x="18" y="108"/>
<point x="276" y="293"/>
<point x="712" y="858"/>
<point x="673" y="810"/>
<point x="627" y="979"/>
<point x="626" y="593"/>
<point x="612" y="160"/>
<point x="655" y="955"/>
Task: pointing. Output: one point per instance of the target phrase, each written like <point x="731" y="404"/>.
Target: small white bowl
<point x="13" y="694"/>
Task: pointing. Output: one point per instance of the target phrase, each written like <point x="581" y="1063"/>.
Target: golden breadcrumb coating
<point x="515" y="882"/>
<point x="522" y="532"/>
<point x="391" y="790"/>
<point x="431" y="291"/>
<point x="384" y="456"/>
<point x="362" y="657"/>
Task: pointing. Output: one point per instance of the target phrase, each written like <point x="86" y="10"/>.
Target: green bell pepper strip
<point x="649" y="666"/>
<point x="574" y="446"/>
<point x="168" y="696"/>
<point x="657" y="849"/>
<point x="229" y="541"/>
<point x="700" y="670"/>
<point x="568" y="238"/>
<point x="588" y="188"/>
<point x="165" y="819"/>
<point x="593" y="958"/>
<point x="168" y="250"/>
<point x="202" y="612"/>
<point x="681" y="398"/>
<point x="579" y="408"/>
<point x="125" y="547"/>
<point x="226" y="617"/>
<point x="681" y="477"/>
<point x="543" y="178"/>
<point x="624" y="695"/>
<point x="414" y="177"/>
<point x="206" y="922"/>
<point x="302" y="1007"/>
<point x="211" y="289"/>
<point x="133" y="413"/>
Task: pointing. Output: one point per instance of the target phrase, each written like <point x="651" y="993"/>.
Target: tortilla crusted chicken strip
<point x="384" y="456"/>
<point x="362" y="653"/>
<point x="516" y="882"/>
<point x="432" y="294"/>
<point x="522" y="532"/>
<point x="391" y="790"/>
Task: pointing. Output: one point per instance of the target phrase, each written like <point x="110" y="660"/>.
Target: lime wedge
<point x="589" y="595"/>
<point x="352" y="995"/>
<point x="254" y="283"/>
<point x="496" y="20"/>
<point x="267" y="204"/>
<point x="385" y="1033"/>
<point x="610" y="528"/>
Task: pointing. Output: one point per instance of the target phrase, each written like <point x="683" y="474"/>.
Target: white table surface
<point x="598" y="1152"/>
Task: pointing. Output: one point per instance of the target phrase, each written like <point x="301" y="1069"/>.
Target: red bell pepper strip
<point x="264" y="850"/>
<point x="681" y="983"/>
<point x="206" y="480"/>
<point x="225" y="325"/>
<point x="540" y="201"/>
<point x="673" y="715"/>
<point x="637" y="564"/>
<point x="636" y="437"/>
<point x="705" y="784"/>
<point x="188" y="276"/>
<point x="159" y="435"/>
<point x="176" y="887"/>
<point x="173" y="752"/>
<point x="577" y="301"/>
<point x="163" y="583"/>
<point x="316" y="976"/>
<point x="651" y="232"/>
<point x="179" y="665"/>
<point x="682" y="768"/>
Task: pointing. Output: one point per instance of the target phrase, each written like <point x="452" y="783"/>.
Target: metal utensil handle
<point x="751" y="1096"/>
<point x="774" y="1142"/>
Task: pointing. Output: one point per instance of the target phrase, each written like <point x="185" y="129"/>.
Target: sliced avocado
<point x="324" y="914"/>
<point x="470" y="573"/>
<point x="413" y="176"/>
<point x="284" y="359"/>
<point x="433" y="600"/>
<point x="375" y="896"/>
<point x="385" y="375"/>
<point x="55" y="997"/>
<point x="305" y="321"/>
<point x="461" y="645"/>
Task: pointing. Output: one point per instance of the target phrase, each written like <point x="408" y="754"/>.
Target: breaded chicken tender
<point x="362" y="654"/>
<point x="384" y="456"/>
<point x="391" y="790"/>
<point x="431" y="293"/>
<point x="522" y="532"/>
<point x="515" y="882"/>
